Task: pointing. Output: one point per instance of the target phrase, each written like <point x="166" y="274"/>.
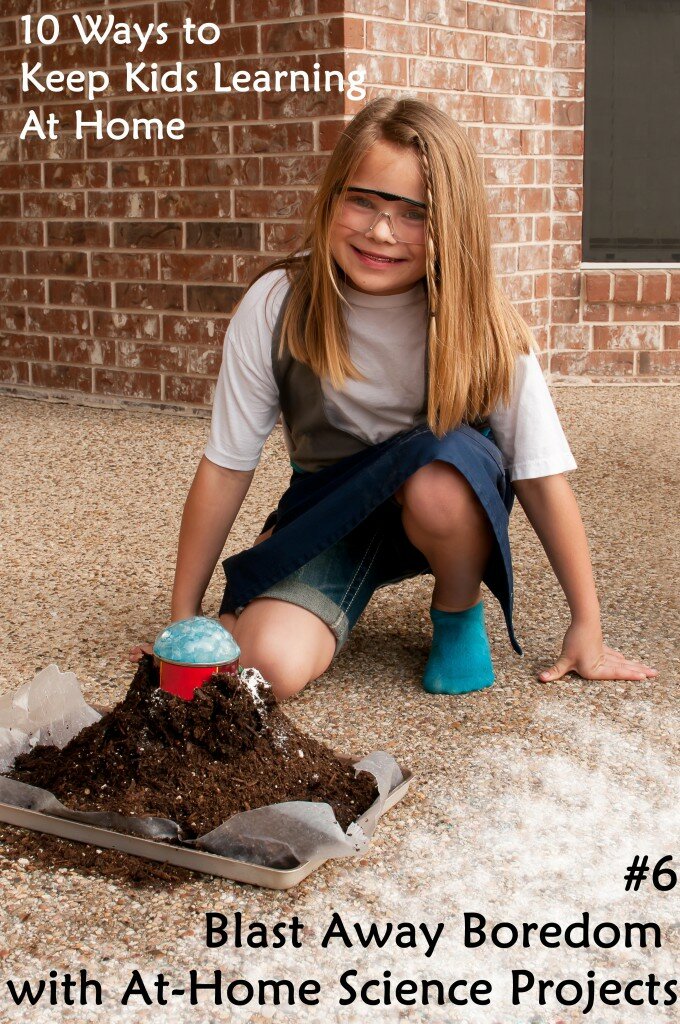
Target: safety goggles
<point x="359" y="211"/>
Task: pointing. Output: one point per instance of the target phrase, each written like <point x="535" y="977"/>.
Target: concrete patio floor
<point x="529" y="798"/>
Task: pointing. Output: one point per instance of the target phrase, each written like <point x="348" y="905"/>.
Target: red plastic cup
<point x="184" y="680"/>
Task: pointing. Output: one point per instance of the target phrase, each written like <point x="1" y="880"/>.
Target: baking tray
<point x="166" y="853"/>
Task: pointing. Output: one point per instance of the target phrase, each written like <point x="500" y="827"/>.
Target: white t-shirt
<point x="386" y="340"/>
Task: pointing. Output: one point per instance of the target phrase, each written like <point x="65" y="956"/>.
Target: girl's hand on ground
<point x="584" y="652"/>
<point x="135" y="653"/>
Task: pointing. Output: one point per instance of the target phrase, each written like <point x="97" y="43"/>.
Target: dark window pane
<point x="631" y="191"/>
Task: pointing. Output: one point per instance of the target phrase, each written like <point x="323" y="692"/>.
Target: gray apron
<point x="338" y="480"/>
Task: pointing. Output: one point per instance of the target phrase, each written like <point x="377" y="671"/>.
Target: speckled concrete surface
<point x="529" y="797"/>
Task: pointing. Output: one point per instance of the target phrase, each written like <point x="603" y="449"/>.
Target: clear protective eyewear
<point x="360" y="212"/>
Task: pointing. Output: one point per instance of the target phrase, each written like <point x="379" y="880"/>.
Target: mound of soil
<point x="197" y="762"/>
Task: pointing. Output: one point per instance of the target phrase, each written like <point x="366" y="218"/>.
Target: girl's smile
<point x="374" y="259"/>
<point x="376" y="262"/>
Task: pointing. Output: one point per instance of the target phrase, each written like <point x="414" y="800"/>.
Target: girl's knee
<point x="286" y="662"/>
<point x="436" y="495"/>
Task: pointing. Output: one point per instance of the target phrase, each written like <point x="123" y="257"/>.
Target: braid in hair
<point x="430" y="252"/>
<point x="431" y="270"/>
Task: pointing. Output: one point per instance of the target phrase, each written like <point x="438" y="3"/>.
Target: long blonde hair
<point x="474" y="332"/>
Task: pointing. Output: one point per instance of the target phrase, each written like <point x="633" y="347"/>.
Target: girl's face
<point x="386" y="168"/>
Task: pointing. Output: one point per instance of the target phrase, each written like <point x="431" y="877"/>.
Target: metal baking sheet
<point x="166" y="853"/>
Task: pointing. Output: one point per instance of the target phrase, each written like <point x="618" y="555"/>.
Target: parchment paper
<point x="51" y="710"/>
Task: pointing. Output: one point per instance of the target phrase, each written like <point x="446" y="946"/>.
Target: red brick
<point x="567" y="113"/>
<point x="24" y="289"/>
<point x="108" y="205"/>
<point x="654" y="287"/>
<point x="492" y="18"/>
<point x="565" y="311"/>
<point x="135" y="355"/>
<point x="568" y="55"/>
<point x="11" y="262"/>
<point x="190" y="390"/>
<point x="486" y="79"/>
<point x="510" y="110"/>
<point x="54" y="263"/>
<point x="274" y="138"/>
<point x="147" y="235"/>
<point x="207" y="267"/>
<point x="205" y="361"/>
<point x="125" y="325"/>
<point x="668" y="312"/>
<point x="598" y="286"/>
<point x="456" y="45"/>
<point x="408" y="39"/>
<point x="20" y="176"/>
<point x="54" y="204"/>
<point x="259" y="203"/>
<point x="436" y="74"/>
<point x="146" y="174"/>
<point x="124" y="264"/>
<point x="567" y="142"/>
<point x="194" y="203"/>
<point x="293" y="170"/>
<point x="566" y="285"/>
<point x="631" y="337"/>
<point x="661" y="364"/>
<point x="511" y="171"/>
<point x="567" y="172"/>
<point x="223" y="171"/>
<point x="534" y="200"/>
<point x="187" y="330"/>
<point x="570" y="336"/>
<point x="593" y="364"/>
<point x="516" y="50"/>
<point x="77" y="233"/>
<point x="92" y="352"/>
<point x="72" y="175"/>
<point x="13" y="372"/>
<point x="452" y="12"/>
<point x="569" y="26"/>
<point x="212" y="298"/>
<point x="58" y="321"/>
<point x="128" y="384"/>
<point x="626" y="287"/>
<point x="62" y="377"/>
<point x="147" y="295"/>
<point x="23" y="232"/>
<point x="79" y="293"/>
<point x="23" y="346"/>
<point x="597" y="312"/>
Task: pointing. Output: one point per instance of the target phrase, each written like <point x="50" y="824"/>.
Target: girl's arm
<point x="213" y="502"/>
<point x="551" y="509"/>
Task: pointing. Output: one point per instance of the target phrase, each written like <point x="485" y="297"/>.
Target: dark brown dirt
<point x="197" y="762"/>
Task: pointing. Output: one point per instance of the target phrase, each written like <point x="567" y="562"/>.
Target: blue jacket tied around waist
<point x="319" y="508"/>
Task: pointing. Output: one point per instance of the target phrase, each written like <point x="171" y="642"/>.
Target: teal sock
<point x="460" y="658"/>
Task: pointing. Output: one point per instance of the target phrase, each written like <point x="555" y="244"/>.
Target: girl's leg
<point x="444" y="519"/>
<point x="288" y="644"/>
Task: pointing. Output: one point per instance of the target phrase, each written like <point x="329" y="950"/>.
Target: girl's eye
<point x="361" y="201"/>
<point x="415" y="215"/>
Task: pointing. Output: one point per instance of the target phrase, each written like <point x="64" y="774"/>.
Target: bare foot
<point x="135" y="653"/>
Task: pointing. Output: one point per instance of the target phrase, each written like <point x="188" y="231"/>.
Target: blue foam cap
<point x="196" y="641"/>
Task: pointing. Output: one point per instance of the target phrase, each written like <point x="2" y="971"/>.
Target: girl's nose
<point x="382" y="230"/>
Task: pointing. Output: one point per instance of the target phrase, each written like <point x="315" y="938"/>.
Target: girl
<point x="413" y="410"/>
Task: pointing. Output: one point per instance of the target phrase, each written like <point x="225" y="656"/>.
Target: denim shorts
<point x="337" y="584"/>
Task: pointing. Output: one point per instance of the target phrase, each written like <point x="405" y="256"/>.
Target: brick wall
<point x="121" y="260"/>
